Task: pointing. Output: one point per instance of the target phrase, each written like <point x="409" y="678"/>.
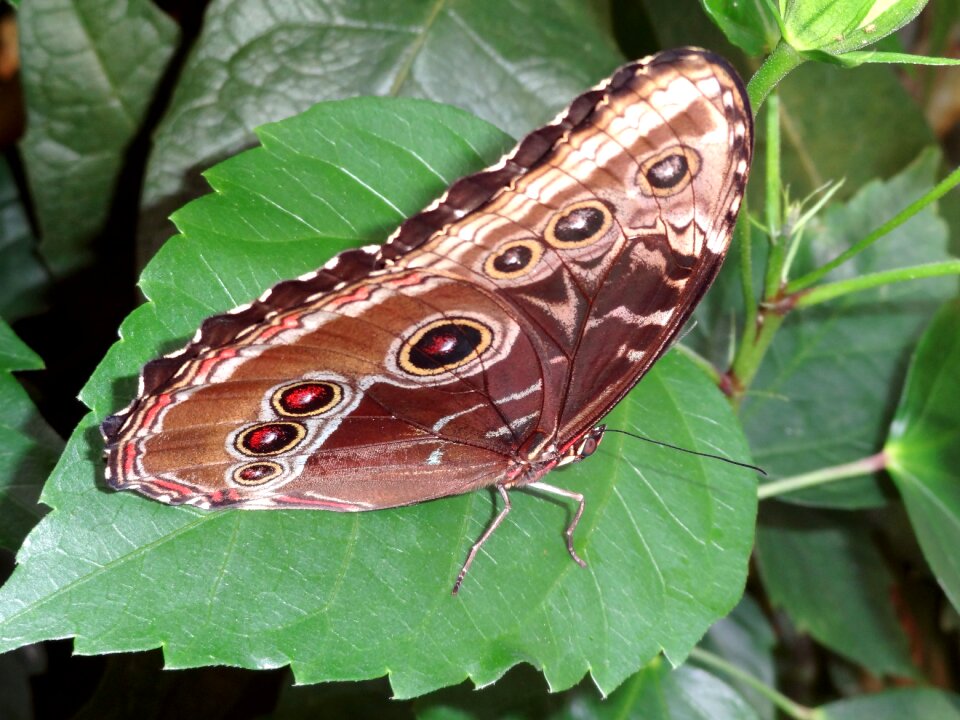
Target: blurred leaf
<point x="857" y="125"/>
<point x="30" y="447"/>
<point x="828" y="386"/>
<point x="823" y="569"/>
<point x="348" y="596"/>
<point x="133" y="686"/>
<point x="654" y="693"/>
<point x="745" y="639"/>
<point x="22" y="277"/>
<point x="89" y="72"/>
<point x="919" y="703"/>
<point x="751" y="26"/>
<point x="924" y="447"/>
<point x="350" y="700"/>
<point x="509" y="62"/>
<point x="16" y="670"/>
<point x="657" y="693"/>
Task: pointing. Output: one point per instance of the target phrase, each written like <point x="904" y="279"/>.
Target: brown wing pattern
<point x="491" y="330"/>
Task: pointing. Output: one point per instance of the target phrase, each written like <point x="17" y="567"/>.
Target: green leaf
<point x="30" y="447"/>
<point x="828" y="386"/>
<point x="923" y="449"/>
<point x="838" y="26"/>
<point x="745" y="639"/>
<point x="823" y="569"/>
<point x="862" y="57"/>
<point x="295" y="54"/>
<point x="89" y="71"/>
<point x="751" y="26"/>
<point x="895" y="705"/>
<point x="22" y="277"/>
<point x="348" y="596"/>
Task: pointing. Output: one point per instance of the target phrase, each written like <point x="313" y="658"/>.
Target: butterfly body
<point x="482" y="344"/>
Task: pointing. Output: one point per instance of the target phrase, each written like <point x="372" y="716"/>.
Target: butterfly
<point x="483" y="342"/>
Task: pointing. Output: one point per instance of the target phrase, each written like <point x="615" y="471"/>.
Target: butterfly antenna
<point x="748" y="466"/>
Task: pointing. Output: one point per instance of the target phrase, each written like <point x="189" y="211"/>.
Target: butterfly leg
<point x="543" y="487"/>
<point x="483" y="538"/>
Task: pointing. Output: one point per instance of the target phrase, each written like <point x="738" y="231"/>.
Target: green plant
<point x="809" y="332"/>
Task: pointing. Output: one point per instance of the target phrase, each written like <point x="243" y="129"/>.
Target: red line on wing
<point x="207" y="365"/>
<point x="288" y="323"/>
<point x="129" y="456"/>
<point x="362" y="293"/>
<point x="173" y="487"/>
<point x="159" y="404"/>
<point x="414" y="278"/>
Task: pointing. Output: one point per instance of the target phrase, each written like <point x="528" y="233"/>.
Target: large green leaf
<point x="828" y="386"/>
<point x="823" y="569"/>
<point x="343" y="596"/>
<point x="89" y="71"/>
<point x="923" y="450"/>
<point x="30" y="446"/>
<point x="509" y="62"/>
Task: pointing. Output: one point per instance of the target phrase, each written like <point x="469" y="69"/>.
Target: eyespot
<point x="669" y="171"/>
<point x="269" y="438"/>
<point x="257" y="473"/>
<point x="303" y="399"/>
<point x="444" y="345"/>
<point x="514" y="259"/>
<point x="579" y="224"/>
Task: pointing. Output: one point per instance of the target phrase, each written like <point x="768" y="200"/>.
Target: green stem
<point x="778" y="64"/>
<point x="831" y="291"/>
<point x="864" y="466"/>
<point x="749" y="356"/>
<point x="941" y="189"/>
<point x="745" y="244"/>
<point x="773" y="194"/>
<point x="785" y="704"/>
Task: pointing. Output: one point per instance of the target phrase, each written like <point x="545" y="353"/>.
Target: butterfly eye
<point x="257" y="473"/>
<point x="303" y="399"/>
<point x="444" y="345"/>
<point x="514" y="259"/>
<point x="669" y="171"/>
<point x="269" y="438"/>
<point x="578" y="225"/>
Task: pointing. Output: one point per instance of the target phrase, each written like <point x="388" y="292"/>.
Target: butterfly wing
<point x="504" y="319"/>
<point x="605" y="248"/>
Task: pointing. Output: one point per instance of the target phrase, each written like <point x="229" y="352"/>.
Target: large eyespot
<point x="310" y="397"/>
<point x="444" y="345"/>
<point x="270" y="438"/>
<point x="257" y="473"/>
<point x="514" y="259"/>
<point x="669" y="171"/>
<point x="578" y="225"/>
